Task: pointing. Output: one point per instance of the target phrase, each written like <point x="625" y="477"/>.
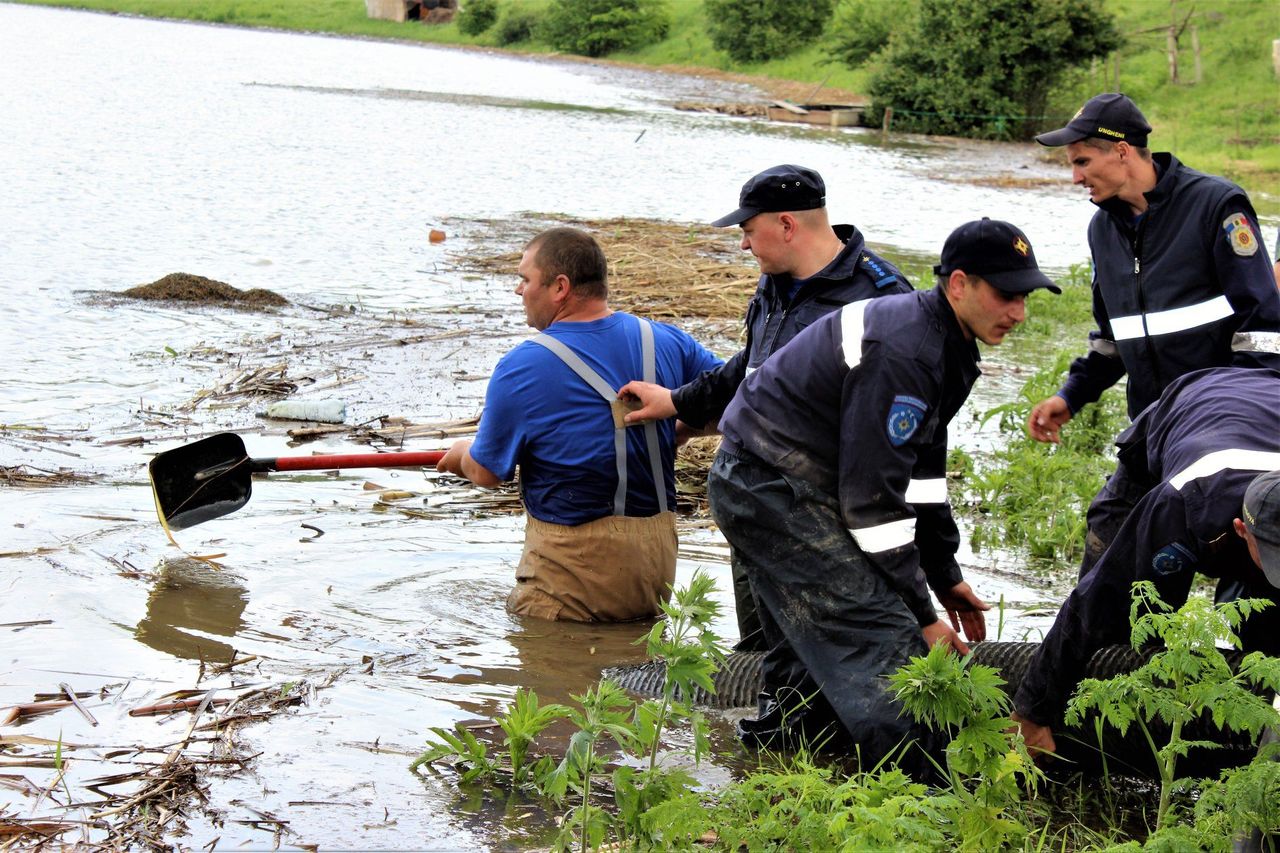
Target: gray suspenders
<point x="578" y="366"/>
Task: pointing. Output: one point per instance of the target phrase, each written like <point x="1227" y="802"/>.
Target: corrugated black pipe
<point x="738" y="683"/>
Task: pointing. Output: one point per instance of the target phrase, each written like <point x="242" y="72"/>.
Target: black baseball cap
<point x="1261" y="515"/>
<point x="784" y="187"/>
<point x="1110" y="116"/>
<point x="996" y="251"/>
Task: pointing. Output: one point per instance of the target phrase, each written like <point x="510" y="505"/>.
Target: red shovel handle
<point x="349" y="460"/>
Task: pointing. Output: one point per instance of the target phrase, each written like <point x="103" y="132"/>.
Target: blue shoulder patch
<point x="905" y="417"/>
<point x="881" y="275"/>
<point x="1173" y="559"/>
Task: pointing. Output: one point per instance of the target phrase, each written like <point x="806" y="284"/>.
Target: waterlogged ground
<point x="341" y="622"/>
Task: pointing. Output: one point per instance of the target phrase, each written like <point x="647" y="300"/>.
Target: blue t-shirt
<point x="540" y="414"/>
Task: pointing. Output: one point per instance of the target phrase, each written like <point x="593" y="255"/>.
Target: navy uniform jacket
<point x="858" y="406"/>
<point x="1189" y="286"/>
<point x="1165" y="514"/>
<point x="856" y="273"/>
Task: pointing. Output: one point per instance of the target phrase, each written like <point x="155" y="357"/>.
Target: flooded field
<point x="340" y="622"/>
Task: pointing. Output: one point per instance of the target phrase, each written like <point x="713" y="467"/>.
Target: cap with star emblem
<point x="775" y="190"/>
<point x="996" y="251"/>
<point x="1110" y="116"/>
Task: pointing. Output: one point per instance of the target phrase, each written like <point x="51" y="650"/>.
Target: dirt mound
<point x="185" y="287"/>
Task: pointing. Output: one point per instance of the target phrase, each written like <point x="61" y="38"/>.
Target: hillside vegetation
<point x="1227" y="121"/>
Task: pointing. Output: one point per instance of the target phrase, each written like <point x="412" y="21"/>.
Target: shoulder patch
<point x="905" y="416"/>
<point x="1239" y="234"/>
<point x="881" y="276"/>
<point x="1173" y="559"/>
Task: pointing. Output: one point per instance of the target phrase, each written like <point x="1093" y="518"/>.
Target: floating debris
<point x="185" y="287"/>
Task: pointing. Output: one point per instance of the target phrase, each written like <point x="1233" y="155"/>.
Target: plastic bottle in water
<point x="324" y="411"/>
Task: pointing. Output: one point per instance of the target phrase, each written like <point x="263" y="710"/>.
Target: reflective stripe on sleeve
<point x="1256" y="342"/>
<point x="1172" y="320"/>
<point x="932" y="491"/>
<point x="885" y="537"/>
<point x="1220" y="460"/>
<point x="851" y="331"/>
<point x="1102" y="346"/>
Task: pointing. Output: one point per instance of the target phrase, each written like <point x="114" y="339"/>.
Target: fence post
<point x="888" y="121"/>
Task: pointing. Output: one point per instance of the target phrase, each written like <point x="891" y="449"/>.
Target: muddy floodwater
<point x="344" y="618"/>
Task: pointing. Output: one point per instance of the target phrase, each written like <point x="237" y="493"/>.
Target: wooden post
<point x="1172" y="41"/>
<point x="888" y="122"/>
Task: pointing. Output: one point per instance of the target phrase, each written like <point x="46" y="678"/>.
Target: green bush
<point x="767" y="29"/>
<point x="476" y="16"/>
<point x="598" y="27"/>
<point x="986" y="67"/>
<point x="516" y="24"/>
<point x="862" y="28"/>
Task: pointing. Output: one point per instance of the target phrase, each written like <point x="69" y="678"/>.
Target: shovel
<point x="212" y="477"/>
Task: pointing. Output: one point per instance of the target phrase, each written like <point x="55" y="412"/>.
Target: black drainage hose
<point x="738" y="683"/>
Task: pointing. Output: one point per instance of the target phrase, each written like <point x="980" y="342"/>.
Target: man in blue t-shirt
<point x="600" y="538"/>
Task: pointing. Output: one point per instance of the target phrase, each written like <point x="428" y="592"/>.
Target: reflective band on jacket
<point x="927" y="491"/>
<point x="1256" y="342"/>
<point x="1173" y="320"/>
<point x="885" y="537"/>
<point x="851" y="332"/>
<point x="1219" y="460"/>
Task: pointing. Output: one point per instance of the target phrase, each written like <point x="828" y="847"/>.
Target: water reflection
<point x="191" y="594"/>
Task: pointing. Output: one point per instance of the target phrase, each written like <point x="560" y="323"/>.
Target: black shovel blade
<point x="206" y="479"/>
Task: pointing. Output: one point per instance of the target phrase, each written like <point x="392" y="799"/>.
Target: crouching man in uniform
<point x="1187" y="497"/>
<point x="600" y="537"/>
<point x="830" y="485"/>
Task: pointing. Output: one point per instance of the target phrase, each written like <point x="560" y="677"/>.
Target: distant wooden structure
<point x="427" y="11"/>
<point x="825" y="115"/>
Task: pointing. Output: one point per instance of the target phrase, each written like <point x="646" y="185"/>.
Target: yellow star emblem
<point x="1021" y="247"/>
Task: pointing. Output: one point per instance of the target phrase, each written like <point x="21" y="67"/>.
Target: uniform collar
<point x="955" y="339"/>
<point x="1167" y="168"/>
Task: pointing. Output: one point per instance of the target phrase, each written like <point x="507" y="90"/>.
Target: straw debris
<point x="661" y="270"/>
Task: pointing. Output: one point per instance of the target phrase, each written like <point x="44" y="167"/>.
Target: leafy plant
<point x="1189" y="678"/>
<point x="460" y="748"/>
<point x="765" y="29"/>
<point x="862" y="28"/>
<point x="598" y="27"/>
<point x="1033" y="495"/>
<point x="987" y="764"/>
<point x="477" y="16"/>
<point x="525" y="719"/>
<point x="516" y="24"/>
<point x="986" y="67"/>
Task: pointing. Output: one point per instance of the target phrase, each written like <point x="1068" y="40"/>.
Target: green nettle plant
<point x="1187" y="679"/>
<point x="654" y="805"/>
<point x="987" y="764"/>
<point x="1033" y="496"/>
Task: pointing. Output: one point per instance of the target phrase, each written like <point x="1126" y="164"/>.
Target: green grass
<point x="1227" y="124"/>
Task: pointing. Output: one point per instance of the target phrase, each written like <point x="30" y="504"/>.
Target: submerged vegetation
<point x="621" y="788"/>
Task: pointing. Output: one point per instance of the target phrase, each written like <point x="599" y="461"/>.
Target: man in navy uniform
<point x="1181" y="279"/>
<point x="830" y="485"/>
<point x="808" y="268"/>
<point x="1173" y="508"/>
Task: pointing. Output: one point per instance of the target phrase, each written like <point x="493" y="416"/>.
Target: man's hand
<point x="941" y="632"/>
<point x="1039" y="739"/>
<point x="1047" y="419"/>
<point x="655" y="402"/>
<point x="965" y="610"/>
<point x="458" y="461"/>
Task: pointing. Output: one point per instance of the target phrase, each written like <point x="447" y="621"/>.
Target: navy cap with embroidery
<point x="1110" y="116"/>
<point x="1261" y="515"/>
<point x="996" y="251"/>
<point x="778" y="189"/>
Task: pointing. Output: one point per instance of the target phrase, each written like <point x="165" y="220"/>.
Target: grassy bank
<point x="1227" y="123"/>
